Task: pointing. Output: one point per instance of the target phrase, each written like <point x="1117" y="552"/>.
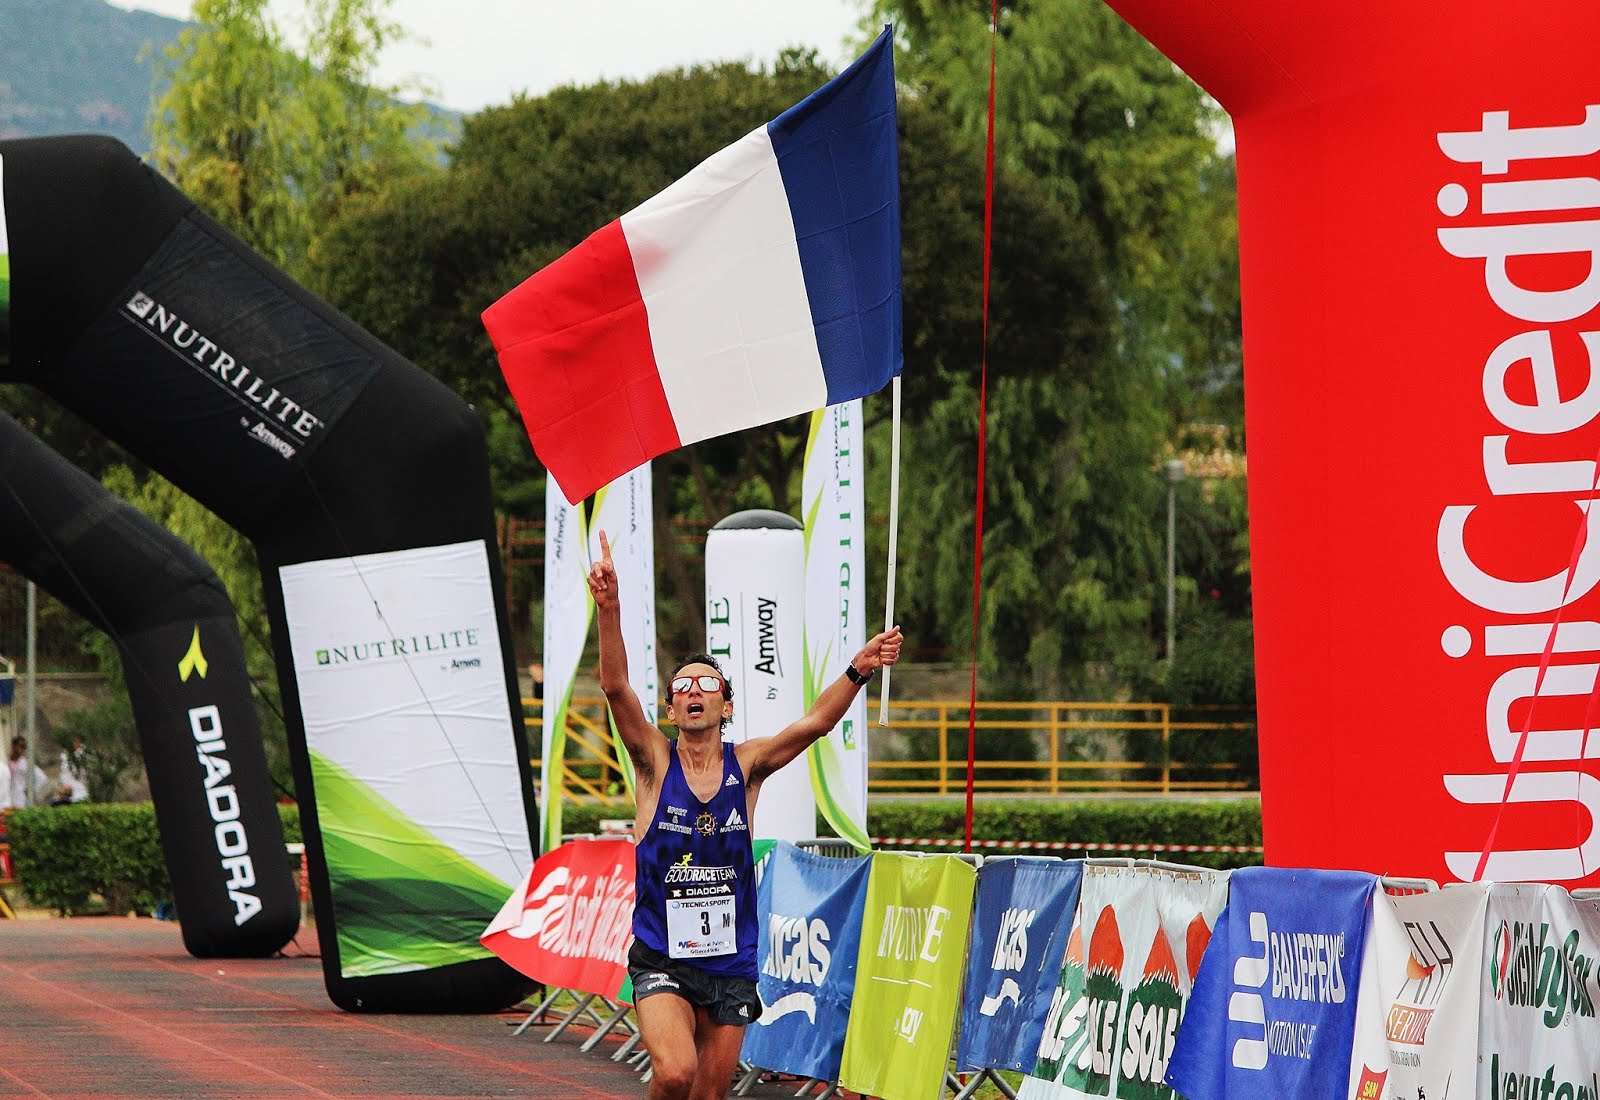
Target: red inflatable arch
<point x="1420" y="254"/>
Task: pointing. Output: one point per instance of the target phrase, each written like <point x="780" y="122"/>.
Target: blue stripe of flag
<point x="838" y="152"/>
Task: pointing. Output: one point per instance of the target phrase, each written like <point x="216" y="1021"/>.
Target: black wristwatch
<point x="854" y="675"/>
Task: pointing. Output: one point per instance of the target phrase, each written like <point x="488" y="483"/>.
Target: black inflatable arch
<point x="175" y="629"/>
<point x="363" y="484"/>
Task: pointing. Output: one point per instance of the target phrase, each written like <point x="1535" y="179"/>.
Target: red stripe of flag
<point x="585" y="308"/>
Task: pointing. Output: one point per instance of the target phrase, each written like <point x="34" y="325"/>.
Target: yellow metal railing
<point x="1037" y="749"/>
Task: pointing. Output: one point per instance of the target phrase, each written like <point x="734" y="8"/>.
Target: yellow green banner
<point x="908" y="975"/>
<point x="5" y="275"/>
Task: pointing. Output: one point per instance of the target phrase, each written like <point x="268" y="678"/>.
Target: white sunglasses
<point x="706" y="681"/>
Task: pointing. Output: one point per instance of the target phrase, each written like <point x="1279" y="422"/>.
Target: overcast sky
<point x="475" y="53"/>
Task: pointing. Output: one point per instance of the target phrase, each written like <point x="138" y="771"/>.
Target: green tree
<point x="233" y="558"/>
<point x="270" y="141"/>
<point x="418" y="262"/>
<point x="1127" y="145"/>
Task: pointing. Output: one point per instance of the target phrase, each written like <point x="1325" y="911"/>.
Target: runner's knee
<point x="671" y="1077"/>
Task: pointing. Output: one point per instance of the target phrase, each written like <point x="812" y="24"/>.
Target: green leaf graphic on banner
<point x="403" y="899"/>
<point x="555" y="745"/>
<point x="5" y="303"/>
<point x="5" y="277"/>
<point x="822" y="758"/>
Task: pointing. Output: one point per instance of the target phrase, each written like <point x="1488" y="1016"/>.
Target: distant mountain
<point x="79" y="66"/>
<point x="83" y="66"/>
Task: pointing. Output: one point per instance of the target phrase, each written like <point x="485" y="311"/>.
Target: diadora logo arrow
<point x="194" y="660"/>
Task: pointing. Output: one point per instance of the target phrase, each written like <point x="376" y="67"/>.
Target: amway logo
<point x="767" y="637"/>
<point x="248" y="388"/>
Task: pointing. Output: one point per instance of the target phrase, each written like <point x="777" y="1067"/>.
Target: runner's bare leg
<point x="718" y="1045"/>
<point x="668" y="1023"/>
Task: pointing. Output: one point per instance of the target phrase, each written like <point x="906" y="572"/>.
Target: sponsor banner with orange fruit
<point x="1114" y="1021"/>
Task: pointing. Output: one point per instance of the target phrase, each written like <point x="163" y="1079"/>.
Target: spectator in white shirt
<point x="20" y="770"/>
<point x="70" y="787"/>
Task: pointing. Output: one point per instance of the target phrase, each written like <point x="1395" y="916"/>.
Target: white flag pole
<point x="894" y="537"/>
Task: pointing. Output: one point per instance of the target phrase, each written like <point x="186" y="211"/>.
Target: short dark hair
<point x="703" y="659"/>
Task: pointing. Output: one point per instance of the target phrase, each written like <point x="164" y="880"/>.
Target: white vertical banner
<point x="1417" y="1009"/>
<point x="1539" y="987"/>
<point x="623" y="510"/>
<point x="755" y="604"/>
<point x="408" y="728"/>
<point x="567" y="607"/>
<point x="835" y="624"/>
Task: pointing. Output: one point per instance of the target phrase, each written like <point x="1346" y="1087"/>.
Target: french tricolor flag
<point x="762" y="285"/>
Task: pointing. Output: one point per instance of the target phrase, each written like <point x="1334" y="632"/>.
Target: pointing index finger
<point x="605" y="548"/>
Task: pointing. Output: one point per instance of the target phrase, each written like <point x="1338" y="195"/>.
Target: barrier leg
<point x="539" y="1010"/>
<point x="622" y="1052"/>
<point x="566" y="1021"/>
<point x="611" y="1021"/>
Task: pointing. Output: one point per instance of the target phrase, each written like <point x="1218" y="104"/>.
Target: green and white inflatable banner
<point x="1116" y="1012"/>
<point x="623" y="511"/>
<point x="908" y="975"/>
<point x="400" y="673"/>
<point x="567" y="607"/>
<point x="5" y="274"/>
<point x="835" y="624"/>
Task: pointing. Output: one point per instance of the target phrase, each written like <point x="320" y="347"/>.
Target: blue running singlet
<point x="695" y="882"/>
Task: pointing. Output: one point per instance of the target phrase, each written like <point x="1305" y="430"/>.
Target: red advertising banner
<point x="1420" y="251"/>
<point x="570" y="922"/>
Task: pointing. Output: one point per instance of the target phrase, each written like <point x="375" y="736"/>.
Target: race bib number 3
<point x="701" y="926"/>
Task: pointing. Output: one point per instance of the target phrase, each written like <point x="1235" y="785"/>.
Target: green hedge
<point x="1220" y="823"/>
<point x="65" y="857"/>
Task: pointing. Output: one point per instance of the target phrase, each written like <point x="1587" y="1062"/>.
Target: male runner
<point x="693" y="960"/>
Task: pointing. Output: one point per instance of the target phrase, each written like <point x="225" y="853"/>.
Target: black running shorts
<point x="727" y="1000"/>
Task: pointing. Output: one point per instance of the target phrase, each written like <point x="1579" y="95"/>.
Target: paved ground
<point x="110" y="1006"/>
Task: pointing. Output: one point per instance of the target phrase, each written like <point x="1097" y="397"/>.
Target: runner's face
<point x="698" y="709"/>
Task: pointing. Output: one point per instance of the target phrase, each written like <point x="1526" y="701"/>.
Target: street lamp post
<point x="1173" y="470"/>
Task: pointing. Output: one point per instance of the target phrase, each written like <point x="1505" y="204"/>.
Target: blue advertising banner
<point x="1274" y="1004"/>
<point x="810" y="907"/>
<point x="1019" y="939"/>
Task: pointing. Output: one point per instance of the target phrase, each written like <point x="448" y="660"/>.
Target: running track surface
<point x="111" y="1006"/>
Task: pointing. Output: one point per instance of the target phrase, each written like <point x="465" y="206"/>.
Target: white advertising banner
<point x="403" y="689"/>
<point x="835" y="623"/>
<point x="1538" y="1035"/>
<point x="1114" y="1019"/>
<point x="755" y="604"/>
<point x="1417" y="1010"/>
<point x="623" y="511"/>
<point x="567" y="608"/>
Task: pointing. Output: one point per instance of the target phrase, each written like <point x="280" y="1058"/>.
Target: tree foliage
<point x="1126" y="145"/>
<point x="419" y="261"/>
<point x="233" y="559"/>
<point x="271" y="141"/>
